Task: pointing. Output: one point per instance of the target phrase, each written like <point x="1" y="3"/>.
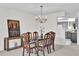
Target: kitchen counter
<point x="71" y="35"/>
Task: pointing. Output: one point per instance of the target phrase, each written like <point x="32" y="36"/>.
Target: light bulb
<point x="46" y="17"/>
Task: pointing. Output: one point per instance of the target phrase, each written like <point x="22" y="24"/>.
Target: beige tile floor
<point x="60" y="50"/>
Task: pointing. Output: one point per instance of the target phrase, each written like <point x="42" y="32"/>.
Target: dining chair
<point x="41" y="46"/>
<point x="35" y="35"/>
<point x="44" y="43"/>
<point x="27" y="44"/>
<point x="52" y="39"/>
<point x="47" y="38"/>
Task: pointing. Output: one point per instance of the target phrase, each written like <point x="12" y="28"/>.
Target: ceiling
<point x="34" y="8"/>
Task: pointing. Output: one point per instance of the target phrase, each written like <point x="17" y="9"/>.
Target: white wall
<point x="26" y="22"/>
<point x="78" y="30"/>
<point x="51" y="25"/>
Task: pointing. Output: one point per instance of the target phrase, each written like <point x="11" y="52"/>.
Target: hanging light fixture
<point x="40" y="18"/>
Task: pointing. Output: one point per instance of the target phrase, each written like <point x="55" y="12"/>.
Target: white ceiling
<point x="34" y="8"/>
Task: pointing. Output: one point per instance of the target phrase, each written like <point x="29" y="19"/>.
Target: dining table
<point x="37" y="42"/>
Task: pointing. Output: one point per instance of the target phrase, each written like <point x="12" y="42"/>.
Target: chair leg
<point x="37" y="51"/>
<point x="32" y="50"/>
<point x="43" y="52"/>
<point x="35" y="48"/>
<point x="48" y="49"/>
<point x="53" y="47"/>
<point x="29" y="52"/>
<point x="23" y="51"/>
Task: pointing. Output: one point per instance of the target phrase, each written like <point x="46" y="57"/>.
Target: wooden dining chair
<point x="35" y="35"/>
<point x="47" y="38"/>
<point x="41" y="46"/>
<point x="29" y="36"/>
<point x="52" y="39"/>
<point x="44" y="43"/>
<point x="27" y="44"/>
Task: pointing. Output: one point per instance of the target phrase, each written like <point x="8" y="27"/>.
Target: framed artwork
<point x="13" y="28"/>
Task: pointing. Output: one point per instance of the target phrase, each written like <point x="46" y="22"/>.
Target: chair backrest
<point x="35" y="35"/>
<point x="25" y="39"/>
<point x="52" y="35"/>
<point x="29" y="36"/>
<point x="46" y="36"/>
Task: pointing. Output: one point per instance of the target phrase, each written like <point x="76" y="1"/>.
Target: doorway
<point x="70" y="26"/>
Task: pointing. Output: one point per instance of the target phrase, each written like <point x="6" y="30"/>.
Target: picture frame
<point x="13" y="28"/>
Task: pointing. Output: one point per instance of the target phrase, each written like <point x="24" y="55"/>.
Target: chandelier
<point x="40" y="18"/>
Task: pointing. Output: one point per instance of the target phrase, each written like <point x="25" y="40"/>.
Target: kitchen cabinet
<point x="72" y="36"/>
